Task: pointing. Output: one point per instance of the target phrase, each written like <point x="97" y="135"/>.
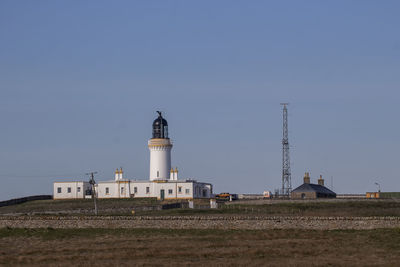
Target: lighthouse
<point x="160" y="150"/>
<point x="164" y="183"/>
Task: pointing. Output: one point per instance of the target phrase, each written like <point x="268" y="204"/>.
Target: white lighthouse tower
<point x="160" y="150"/>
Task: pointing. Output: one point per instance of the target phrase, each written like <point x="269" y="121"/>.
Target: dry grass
<point x="298" y="208"/>
<point x="79" y="206"/>
<point x="278" y="208"/>
<point x="198" y="247"/>
<point x="365" y="207"/>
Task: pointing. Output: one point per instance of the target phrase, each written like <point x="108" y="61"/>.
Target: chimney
<point x="120" y="173"/>
<point x="116" y="175"/>
<point x="321" y="181"/>
<point x="306" y="178"/>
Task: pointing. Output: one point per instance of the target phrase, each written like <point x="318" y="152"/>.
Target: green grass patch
<point x="141" y="206"/>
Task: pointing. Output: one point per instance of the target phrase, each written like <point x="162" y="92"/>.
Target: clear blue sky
<point x="80" y="82"/>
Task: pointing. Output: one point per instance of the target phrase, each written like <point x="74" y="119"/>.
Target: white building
<point x="163" y="180"/>
<point x="68" y="190"/>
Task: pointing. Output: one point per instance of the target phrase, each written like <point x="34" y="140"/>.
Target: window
<point x="169" y="191"/>
<point x="180" y="189"/>
<point x="204" y="192"/>
<point x="187" y="191"/>
<point x="59" y="190"/>
<point x="122" y="190"/>
<point x="135" y="190"/>
<point x="147" y="190"/>
<point x="107" y="190"/>
<point x="158" y="174"/>
<point x="79" y="189"/>
<point x="69" y="189"/>
<point x="88" y="192"/>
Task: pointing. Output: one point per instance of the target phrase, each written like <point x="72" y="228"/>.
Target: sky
<point x="80" y="82"/>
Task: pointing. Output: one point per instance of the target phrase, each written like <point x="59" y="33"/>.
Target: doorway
<point x="162" y="194"/>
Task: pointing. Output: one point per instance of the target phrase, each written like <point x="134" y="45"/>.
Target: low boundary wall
<point x="200" y="222"/>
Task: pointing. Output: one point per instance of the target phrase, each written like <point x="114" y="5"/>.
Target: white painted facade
<point x="70" y="190"/>
<point x="113" y="189"/>
<point x="160" y="158"/>
<point x="159" y="189"/>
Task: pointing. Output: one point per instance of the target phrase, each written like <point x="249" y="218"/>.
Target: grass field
<point x="198" y="247"/>
<point x="79" y="206"/>
<point x="201" y="247"/>
<point x="296" y="208"/>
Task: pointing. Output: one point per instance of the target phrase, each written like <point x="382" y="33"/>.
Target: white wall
<point x="156" y="187"/>
<point x="101" y="190"/>
<point x="116" y="189"/>
<point x="140" y="188"/>
<point x="202" y="190"/>
<point x="166" y="187"/>
<point x="173" y="187"/>
<point x="77" y="190"/>
<point x="195" y="190"/>
<point x="185" y="186"/>
<point x="160" y="159"/>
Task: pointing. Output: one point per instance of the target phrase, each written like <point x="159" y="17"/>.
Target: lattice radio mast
<point x="286" y="174"/>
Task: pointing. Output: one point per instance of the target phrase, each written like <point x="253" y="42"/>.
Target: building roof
<point x="113" y="181"/>
<point x="155" y="181"/>
<point x="313" y="188"/>
<point x="69" y="182"/>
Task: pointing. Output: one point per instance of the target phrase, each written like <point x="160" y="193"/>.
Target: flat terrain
<point x="230" y="246"/>
<point x="198" y="247"/>
<point x="79" y="206"/>
<point x="259" y="208"/>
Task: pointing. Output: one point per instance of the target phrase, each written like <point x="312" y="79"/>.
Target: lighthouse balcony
<point x="159" y="142"/>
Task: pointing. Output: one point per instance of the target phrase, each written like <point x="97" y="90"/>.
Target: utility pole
<point x="379" y="187"/>
<point x="92" y="182"/>
<point x="286" y="173"/>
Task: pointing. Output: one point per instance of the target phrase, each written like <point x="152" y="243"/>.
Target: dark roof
<point x="313" y="188"/>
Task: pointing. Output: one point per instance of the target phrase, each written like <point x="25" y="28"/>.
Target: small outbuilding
<point x="312" y="191"/>
<point x="71" y="190"/>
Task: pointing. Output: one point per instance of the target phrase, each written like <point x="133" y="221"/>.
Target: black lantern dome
<point x="160" y="127"/>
